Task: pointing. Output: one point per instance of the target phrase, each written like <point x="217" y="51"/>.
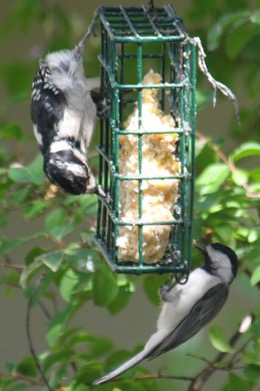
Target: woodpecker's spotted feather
<point x="47" y="108"/>
<point x="63" y="115"/>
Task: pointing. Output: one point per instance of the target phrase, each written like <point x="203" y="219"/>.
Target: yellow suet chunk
<point x="159" y="196"/>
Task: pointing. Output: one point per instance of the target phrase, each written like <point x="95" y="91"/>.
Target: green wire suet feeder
<point x="146" y="148"/>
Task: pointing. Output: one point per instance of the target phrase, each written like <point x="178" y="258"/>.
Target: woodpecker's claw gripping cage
<point x="146" y="148"/>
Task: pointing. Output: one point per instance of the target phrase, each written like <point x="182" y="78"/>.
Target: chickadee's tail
<point x="123" y="368"/>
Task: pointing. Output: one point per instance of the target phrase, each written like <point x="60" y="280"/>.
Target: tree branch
<point x="202" y="377"/>
<point x="18" y="376"/>
<point x="29" y="337"/>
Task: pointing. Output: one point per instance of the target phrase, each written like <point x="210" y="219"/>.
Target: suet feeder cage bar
<point x="134" y="232"/>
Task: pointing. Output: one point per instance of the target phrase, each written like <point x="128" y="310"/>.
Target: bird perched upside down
<point x="63" y="115"/>
<point x="189" y="307"/>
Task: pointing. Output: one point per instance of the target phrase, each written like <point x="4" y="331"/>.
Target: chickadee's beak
<point x="199" y="245"/>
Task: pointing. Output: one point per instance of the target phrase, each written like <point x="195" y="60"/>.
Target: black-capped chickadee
<point x="63" y="115"/>
<point x="189" y="307"/>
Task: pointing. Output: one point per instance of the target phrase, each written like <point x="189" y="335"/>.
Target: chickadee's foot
<point x="163" y="292"/>
<point x="166" y="287"/>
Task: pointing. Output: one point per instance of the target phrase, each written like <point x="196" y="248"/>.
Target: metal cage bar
<point x="132" y="39"/>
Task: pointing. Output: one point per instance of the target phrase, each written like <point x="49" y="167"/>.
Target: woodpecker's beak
<point x="199" y="245"/>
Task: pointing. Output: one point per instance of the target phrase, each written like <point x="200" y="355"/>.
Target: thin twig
<point x="240" y="350"/>
<point x="157" y="376"/>
<point x="60" y="243"/>
<point x="44" y="310"/>
<point x="12" y="266"/>
<point x="29" y="337"/>
<point x="18" y="376"/>
<point x="202" y="377"/>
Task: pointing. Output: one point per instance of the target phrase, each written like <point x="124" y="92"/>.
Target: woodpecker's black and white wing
<point x="47" y="107"/>
<point x="200" y="315"/>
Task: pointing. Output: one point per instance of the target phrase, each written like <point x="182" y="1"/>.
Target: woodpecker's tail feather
<point x="123" y="368"/>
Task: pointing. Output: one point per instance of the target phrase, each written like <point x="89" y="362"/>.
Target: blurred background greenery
<point x="43" y="230"/>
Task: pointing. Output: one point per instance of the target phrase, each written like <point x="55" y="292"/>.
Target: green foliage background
<point x="58" y="263"/>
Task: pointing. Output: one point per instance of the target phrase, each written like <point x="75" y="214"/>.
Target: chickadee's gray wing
<point x="202" y="313"/>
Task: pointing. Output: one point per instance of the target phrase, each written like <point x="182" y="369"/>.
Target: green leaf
<point x="100" y="346"/>
<point x="55" y="218"/>
<point x="19" y="174"/>
<point x="27" y="367"/>
<point x="35" y="293"/>
<point x="10" y="367"/>
<point x="223" y="231"/>
<point x="61" y="231"/>
<point x="68" y="283"/>
<point x="29" y="271"/>
<point x="9" y="245"/>
<point x="33" y="173"/>
<point x="36" y="208"/>
<point x="240" y="177"/>
<point x="227" y="23"/>
<point x="12" y="131"/>
<point x="19" y="196"/>
<point x="3" y="218"/>
<point x="212" y="178"/>
<point x="122" y="298"/>
<point x="34" y="253"/>
<point x="151" y="286"/>
<point x="202" y="98"/>
<point x="16" y="76"/>
<point x="236" y="383"/>
<point x="255" y="276"/>
<point x="58" y="323"/>
<point x="77" y="387"/>
<point x="53" y="260"/>
<point x="83" y="260"/>
<point x="12" y="278"/>
<point x="63" y="355"/>
<point x="252" y="372"/>
<point x="88" y="373"/>
<point x="219" y="340"/>
<point x="246" y="150"/>
<point x="17" y="387"/>
<point x="255" y="17"/>
<point x="105" y="286"/>
<point x="238" y="39"/>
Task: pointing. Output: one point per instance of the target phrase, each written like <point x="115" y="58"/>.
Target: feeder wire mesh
<point x="134" y="40"/>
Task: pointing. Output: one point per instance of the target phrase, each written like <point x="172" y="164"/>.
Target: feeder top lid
<point x="139" y="24"/>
